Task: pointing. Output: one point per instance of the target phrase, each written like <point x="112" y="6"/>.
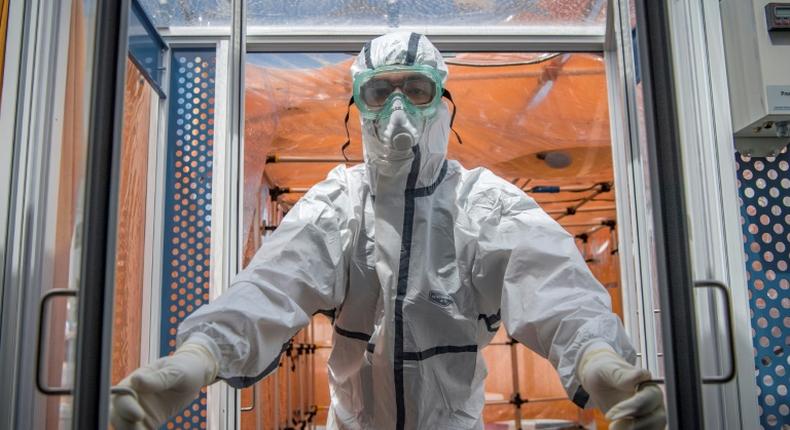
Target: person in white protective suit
<point x="420" y="261"/>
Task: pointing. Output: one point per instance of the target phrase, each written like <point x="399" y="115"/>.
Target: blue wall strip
<point x="764" y="188"/>
<point x="187" y="235"/>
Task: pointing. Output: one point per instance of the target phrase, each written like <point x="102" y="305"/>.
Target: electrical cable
<point x="602" y="187"/>
<point x="548" y="202"/>
<point x="552" y="189"/>
<point x="468" y="63"/>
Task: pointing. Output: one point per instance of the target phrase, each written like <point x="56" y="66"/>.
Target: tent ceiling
<point x="512" y="109"/>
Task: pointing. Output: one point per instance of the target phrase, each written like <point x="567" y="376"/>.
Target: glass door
<point x="59" y="110"/>
<point x="699" y="332"/>
<point x="46" y="213"/>
<point x="131" y="250"/>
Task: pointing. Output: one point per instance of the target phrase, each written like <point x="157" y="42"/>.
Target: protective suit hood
<point x="430" y="148"/>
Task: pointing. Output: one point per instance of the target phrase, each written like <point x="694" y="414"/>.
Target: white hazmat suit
<point x="420" y="260"/>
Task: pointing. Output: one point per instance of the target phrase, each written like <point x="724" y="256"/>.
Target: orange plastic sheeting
<point x="602" y="248"/>
<point x="130" y="249"/>
<point x="537" y="382"/>
<point x="506" y="115"/>
<point x="577" y="12"/>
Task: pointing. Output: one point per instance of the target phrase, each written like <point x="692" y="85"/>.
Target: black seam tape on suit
<point x="368" y="61"/>
<point x="239" y="382"/>
<point x="411" y="54"/>
<point x="403" y="282"/>
<point x="491" y="321"/>
<point x="352" y="334"/>
<point x="329" y="313"/>
<point x="581" y="397"/>
<point x="428" y="353"/>
<point x="427" y="191"/>
<point x="411" y="193"/>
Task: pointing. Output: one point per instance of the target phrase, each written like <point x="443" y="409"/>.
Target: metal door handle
<point x="42" y="320"/>
<point x="730" y="375"/>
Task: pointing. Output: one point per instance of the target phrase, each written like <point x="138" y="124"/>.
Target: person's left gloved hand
<point x="153" y="393"/>
<point x="614" y="387"/>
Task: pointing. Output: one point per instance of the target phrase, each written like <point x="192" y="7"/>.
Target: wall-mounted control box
<point x="777" y="17"/>
<point x="757" y="51"/>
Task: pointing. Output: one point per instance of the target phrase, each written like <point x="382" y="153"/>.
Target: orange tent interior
<point x="534" y="119"/>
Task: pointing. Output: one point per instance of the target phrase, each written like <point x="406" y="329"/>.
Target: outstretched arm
<point x="299" y="269"/>
<point x="553" y="304"/>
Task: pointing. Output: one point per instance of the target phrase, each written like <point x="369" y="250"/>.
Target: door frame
<point x="711" y="199"/>
<point x="106" y="107"/>
<point x="637" y="255"/>
<point x="716" y="242"/>
<point x="8" y="151"/>
<point x="37" y="37"/>
<point x="97" y="274"/>
<point x="675" y="282"/>
<point x="12" y="46"/>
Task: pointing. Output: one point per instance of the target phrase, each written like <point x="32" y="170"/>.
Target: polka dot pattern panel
<point x="764" y="194"/>
<point x="187" y="236"/>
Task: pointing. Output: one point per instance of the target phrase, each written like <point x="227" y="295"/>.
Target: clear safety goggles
<point x="420" y="85"/>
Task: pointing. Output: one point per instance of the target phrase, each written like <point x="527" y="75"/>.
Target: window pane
<point x="382" y="13"/>
<point x="204" y="13"/>
<point x="425" y="12"/>
<point x="146" y="48"/>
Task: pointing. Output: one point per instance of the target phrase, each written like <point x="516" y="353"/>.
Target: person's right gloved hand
<point x="621" y="390"/>
<point x="163" y="388"/>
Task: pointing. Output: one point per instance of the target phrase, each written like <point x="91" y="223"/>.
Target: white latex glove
<point x="613" y="385"/>
<point x="163" y="388"/>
